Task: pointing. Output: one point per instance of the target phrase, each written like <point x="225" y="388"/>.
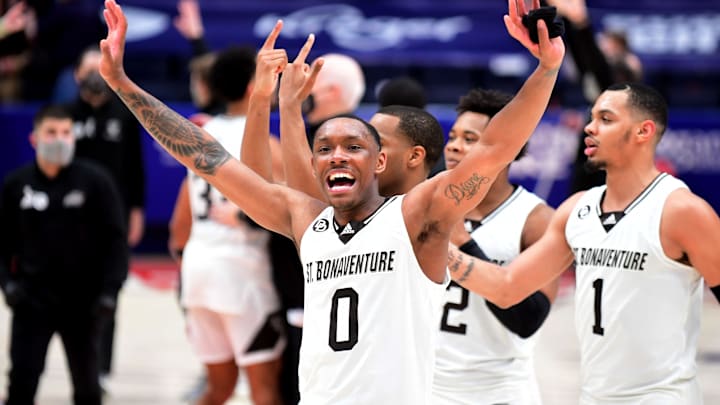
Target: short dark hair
<point x="231" y="73"/>
<point x="421" y="127"/>
<point x="370" y="129"/>
<point x="402" y="91"/>
<point x="90" y="49"/>
<point x="50" y="111"/>
<point x="487" y="102"/>
<point x="646" y="101"/>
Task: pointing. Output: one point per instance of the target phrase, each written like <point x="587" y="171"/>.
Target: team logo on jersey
<point x="33" y="199"/>
<point x="583" y="212"/>
<point x="74" y="199"/>
<point x="321" y="225"/>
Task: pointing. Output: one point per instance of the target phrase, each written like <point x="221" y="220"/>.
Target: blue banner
<point x="674" y="35"/>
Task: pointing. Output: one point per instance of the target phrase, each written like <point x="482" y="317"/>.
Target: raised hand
<point x="189" y="22"/>
<point x="270" y="63"/>
<point x="299" y="77"/>
<point x="113" y="46"/>
<point x="15" y="19"/>
<point x="550" y="51"/>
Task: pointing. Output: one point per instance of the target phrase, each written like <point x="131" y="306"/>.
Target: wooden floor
<point x="154" y="364"/>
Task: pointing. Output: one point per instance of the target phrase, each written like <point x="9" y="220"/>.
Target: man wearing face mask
<point x="109" y="135"/>
<point x="63" y="258"/>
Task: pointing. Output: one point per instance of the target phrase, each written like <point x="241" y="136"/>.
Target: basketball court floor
<point x="155" y="366"/>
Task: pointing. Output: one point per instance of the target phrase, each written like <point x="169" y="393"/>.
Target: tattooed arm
<point x="433" y="207"/>
<point x="533" y="269"/>
<point x="272" y="206"/>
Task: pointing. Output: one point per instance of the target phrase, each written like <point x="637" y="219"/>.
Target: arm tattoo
<point x="466" y="273"/>
<point x="454" y="261"/>
<point x="467" y="189"/>
<point x="179" y="136"/>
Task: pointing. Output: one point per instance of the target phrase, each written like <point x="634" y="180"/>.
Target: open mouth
<point x="590" y="146"/>
<point x="340" y="181"/>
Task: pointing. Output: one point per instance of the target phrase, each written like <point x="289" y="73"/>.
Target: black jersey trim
<point x="619" y="215"/>
<point x="646" y="192"/>
<point x="349" y="230"/>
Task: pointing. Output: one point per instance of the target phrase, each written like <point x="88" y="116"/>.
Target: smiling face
<point x="347" y="161"/>
<point x="464" y="133"/>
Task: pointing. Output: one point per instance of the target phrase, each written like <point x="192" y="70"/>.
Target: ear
<point x="417" y="156"/>
<point x="646" y="131"/>
<point x="33" y="140"/>
<point x="381" y="162"/>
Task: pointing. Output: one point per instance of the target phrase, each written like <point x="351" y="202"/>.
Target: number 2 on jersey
<point x="351" y="296"/>
<point x="598" y="287"/>
<point x="460" y="329"/>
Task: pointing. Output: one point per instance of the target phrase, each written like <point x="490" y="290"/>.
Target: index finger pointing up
<point x="305" y="49"/>
<point x="272" y="37"/>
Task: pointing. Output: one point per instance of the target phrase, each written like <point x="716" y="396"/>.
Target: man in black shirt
<point x="63" y="258"/>
<point x="109" y="135"/>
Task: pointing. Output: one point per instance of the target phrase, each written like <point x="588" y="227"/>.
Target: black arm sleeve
<point x="588" y="57"/>
<point x="113" y="231"/>
<point x="199" y="47"/>
<point x="716" y="291"/>
<point x="523" y="319"/>
<point x="473" y="249"/>
<point x="526" y="317"/>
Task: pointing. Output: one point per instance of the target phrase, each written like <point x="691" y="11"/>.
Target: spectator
<point x="108" y="134"/>
<point x="599" y="65"/>
<point x="401" y="91"/>
<point x="63" y="258"/>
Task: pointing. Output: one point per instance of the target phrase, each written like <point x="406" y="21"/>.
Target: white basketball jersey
<point x="637" y="311"/>
<point x="370" y="314"/>
<point x="224" y="268"/>
<point x="479" y="360"/>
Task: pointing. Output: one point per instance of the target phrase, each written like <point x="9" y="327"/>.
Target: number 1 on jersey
<point x="598" y="287"/>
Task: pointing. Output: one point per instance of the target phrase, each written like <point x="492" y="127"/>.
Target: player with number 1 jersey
<point x="625" y="285"/>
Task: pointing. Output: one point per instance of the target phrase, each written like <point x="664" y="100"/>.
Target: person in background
<point x="401" y="90"/>
<point x="231" y="307"/>
<point x="63" y="258"/>
<point x="599" y="63"/>
<point x="107" y="134"/>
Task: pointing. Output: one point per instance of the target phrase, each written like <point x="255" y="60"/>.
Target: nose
<point x="590" y="128"/>
<point x="338" y="155"/>
<point x="452" y="145"/>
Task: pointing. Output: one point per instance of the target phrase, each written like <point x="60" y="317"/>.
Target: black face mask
<point x="308" y="105"/>
<point x="94" y="84"/>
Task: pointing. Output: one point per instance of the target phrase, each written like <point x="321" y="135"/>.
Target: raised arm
<point x="295" y="86"/>
<point x="255" y="151"/>
<point x="272" y="206"/>
<point x="533" y="269"/>
<point x="433" y="207"/>
<point x="455" y="192"/>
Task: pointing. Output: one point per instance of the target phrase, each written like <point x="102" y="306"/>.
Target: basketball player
<point x="232" y="308"/>
<point x="642" y="245"/>
<point x="484" y="353"/>
<point x="375" y="268"/>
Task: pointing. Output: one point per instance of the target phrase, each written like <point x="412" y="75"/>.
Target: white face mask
<point x="57" y="151"/>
